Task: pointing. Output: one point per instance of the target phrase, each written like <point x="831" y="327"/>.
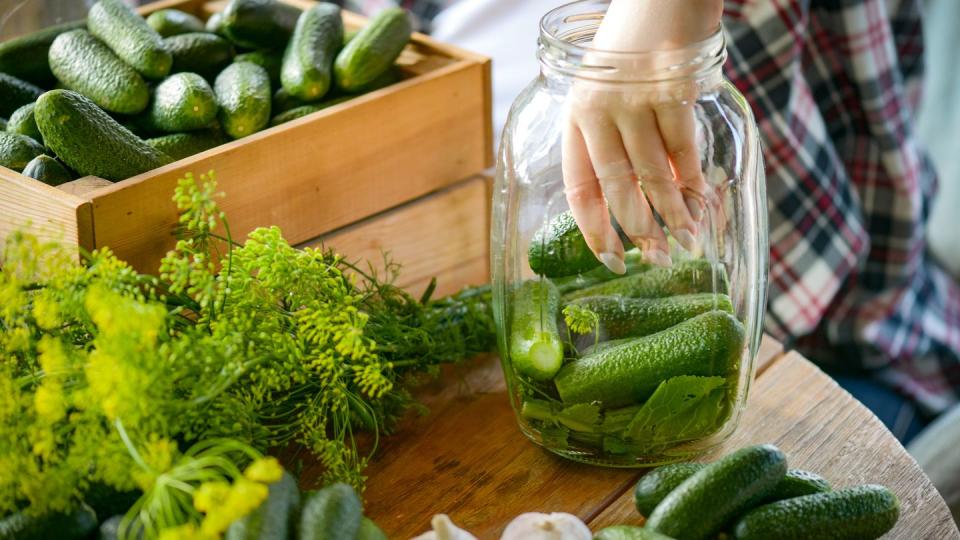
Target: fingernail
<point x="613" y="262"/>
<point x="686" y="239"/>
<point x="658" y="257"/>
<point x="695" y="208"/>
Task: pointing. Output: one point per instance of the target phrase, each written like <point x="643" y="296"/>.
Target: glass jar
<point x="653" y="366"/>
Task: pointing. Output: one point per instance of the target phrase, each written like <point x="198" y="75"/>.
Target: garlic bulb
<point x="444" y="529"/>
<point x="556" y="526"/>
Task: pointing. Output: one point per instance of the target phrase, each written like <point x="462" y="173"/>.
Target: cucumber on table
<point x="373" y="50"/>
<point x="25" y="57"/>
<point x="181" y="145"/>
<point x="243" y="93"/>
<point x="269" y="60"/>
<point x="718" y="493"/>
<point x="621" y="317"/>
<point x="183" y="102"/>
<point x="274" y="518"/>
<point x="171" y="22"/>
<point x="658" y="483"/>
<point x="627" y="532"/>
<point x="332" y="513"/>
<point x="47" y="170"/>
<point x="535" y="347"/>
<point x="798" y="483"/>
<point x="685" y="277"/>
<point x="85" y="64"/>
<point x="23" y="122"/>
<point x="76" y="525"/>
<point x="259" y="24"/>
<point x="199" y="52"/>
<point x="706" y="345"/>
<point x="858" y="513"/>
<point x="72" y="125"/>
<point x="130" y="37"/>
<point x="308" y="59"/>
<point x="15" y="93"/>
<point x="17" y="150"/>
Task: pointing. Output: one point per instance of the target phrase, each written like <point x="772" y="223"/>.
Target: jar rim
<point x="566" y="31"/>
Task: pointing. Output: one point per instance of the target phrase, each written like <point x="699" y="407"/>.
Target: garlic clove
<point x="444" y="529"/>
<point x="538" y="526"/>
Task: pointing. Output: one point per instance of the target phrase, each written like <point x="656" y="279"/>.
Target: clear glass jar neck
<point x="564" y="51"/>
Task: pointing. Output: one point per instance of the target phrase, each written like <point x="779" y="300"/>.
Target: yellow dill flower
<point x="43" y="442"/>
<point x="265" y="470"/>
<point x="53" y="358"/>
<point x="16" y="339"/>
<point x="46" y="312"/>
<point x="159" y="453"/>
<point x="210" y="495"/>
<point x="49" y="401"/>
<point x="241" y="498"/>
<point x="187" y="531"/>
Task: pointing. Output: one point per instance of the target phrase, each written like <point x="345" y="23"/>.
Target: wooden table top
<point x="467" y="457"/>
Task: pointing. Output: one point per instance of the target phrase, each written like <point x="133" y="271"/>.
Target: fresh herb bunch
<point x="108" y="376"/>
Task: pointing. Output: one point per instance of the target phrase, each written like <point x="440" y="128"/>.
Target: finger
<point x="648" y="156"/>
<point x="678" y="128"/>
<point x="586" y="201"/>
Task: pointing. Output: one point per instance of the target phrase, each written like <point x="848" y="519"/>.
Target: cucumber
<point x="332" y="513"/>
<point x="300" y="112"/>
<point x="719" y="492"/>
<point x="214" y="25"/>
<point x="709" y="344"/>
<point x="633" y="317"/>
<point x="17" y="150"/>
<point x="283" y="102"/>
<point x="798" y="483"/>
<point x="308" y="59"/>
<point x="3" y="124"/>
<point x="559" y="249"/>
<point x="183" y="102"/>
<point x="23" y="122"/>
<point x="15" y="93"/>
<point x="632" y="258"/>
<point x="388" y="77"/>
<point x="259" y="24"/>
<point x="626" y="532"/>
<point x="130" y="37"/>
<point x="25" y="57"/>
<point x="181" y="145"/>
<point x="47" y="170"/>
<point x="686" y="277"/>
<point x="110" y="528"/>
<point x="85" y="64"/>
<point x="243" y="93"/>
<point x="862" y="512"/>
<point x="89" y="141"/>
<point x="199" y="52"/>
<point x="75" y="525"/>
<point x="658" y="483"/>
<point x="275" y="518"/>
<point x="172" y="22"/>
<point x="268" y="60"/>
<point x="535" y="348"/>
<point x="373" y="50"/>
<point x="370" y="531"/>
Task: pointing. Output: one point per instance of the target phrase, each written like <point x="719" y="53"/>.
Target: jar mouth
<point x="567" y="32"/>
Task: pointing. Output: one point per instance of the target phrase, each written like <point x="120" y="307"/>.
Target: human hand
<point x="630" y="146"/>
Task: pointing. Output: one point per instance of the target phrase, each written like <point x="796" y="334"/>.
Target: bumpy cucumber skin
<point x="857" y="513"/>
<point x="72" y="125"/>
<point x="308" y="60"/>
<point x="275" y="518"/>
<point x="183" y="102"/>
<point x="373" y="50"/>
<point x="130" y="37"/>
<point x="181" y="145"/>
<point x="370" y="531"/>
<point x="199" y="52"/>
<point x="719" y="492"/>
<point x="268" y="60"/>
<point x="686" y="277"/>
<point x="85" y="64"/>
<point x="17" y="150"/>
<point x="243" y="93"/>
<point x="533" y="329"/>
<point x="558" y="249"/>
<point x="627" y="532"/>
<point x="798" y="483"/>
<point x="76" y="525"/>
<point x="658" y="483"/>
<point x="259" y="24"/>
<point x="15" y="93"/>
<point x="23" y="122"/>
<point x="47" y="170"/>
<point x="300" y="112"/>
<point x="706" y="345"/>
<point x="172" y="22"/>
<point x="634" y="317"/>
<point x="214" y="24"/>
<point x="25" y="57"/>
<point x="332" y="513"/>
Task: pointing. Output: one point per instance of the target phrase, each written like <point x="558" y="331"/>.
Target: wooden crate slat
<point x="45" y="211"/>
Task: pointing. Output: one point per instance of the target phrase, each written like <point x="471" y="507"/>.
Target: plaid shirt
<point x="834" y="86"/>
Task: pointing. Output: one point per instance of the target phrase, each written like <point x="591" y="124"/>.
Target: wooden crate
<point x="309" y="176"/>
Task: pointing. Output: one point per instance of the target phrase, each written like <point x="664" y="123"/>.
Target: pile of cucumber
<point x="751" y="495"/>
<point x="117" y="95"/>
<point x="658" y="366"/>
